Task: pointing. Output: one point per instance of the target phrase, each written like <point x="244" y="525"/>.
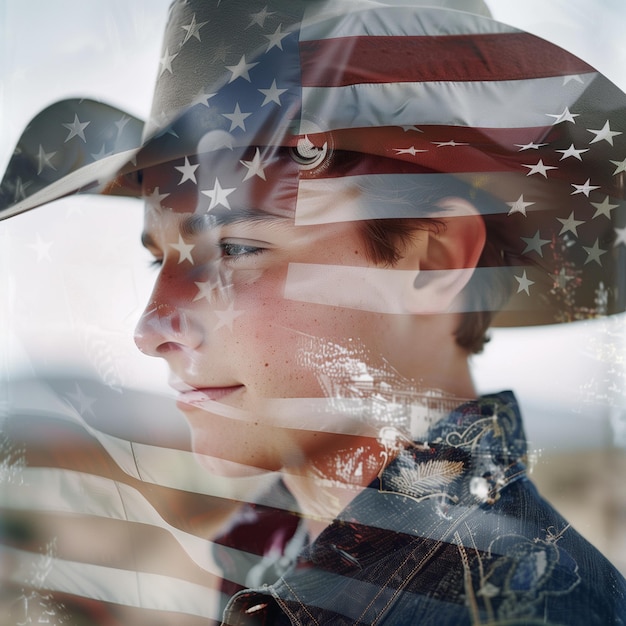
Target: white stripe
<point x="373" y="289"/>
<point x="179" y="469"/>
<point x="480" y="104"/>
<point x="166" y="467"/>
<point x="65" y="491"/>
<point x="108" y="584"/>
<point x="102" y="170"/>
<point x="353" y="18"/>
<point x="364" y="197"/>
<point x="381" y="290"/>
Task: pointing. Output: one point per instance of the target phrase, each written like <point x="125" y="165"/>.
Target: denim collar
<point x="426" y="495"/>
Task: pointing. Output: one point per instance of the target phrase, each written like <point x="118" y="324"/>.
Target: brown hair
<point x="385" y="241"/>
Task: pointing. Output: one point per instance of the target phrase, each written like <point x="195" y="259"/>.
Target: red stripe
<point x="384" y="150"/>
<point x="492" y="57"/>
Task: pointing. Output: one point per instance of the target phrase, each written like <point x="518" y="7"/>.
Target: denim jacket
<point x="452" y="532"/>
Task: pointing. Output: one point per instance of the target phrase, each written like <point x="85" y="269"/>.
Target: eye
<point x="132" y="181"/>
<point x="308" y="155"/>
<point x="155" y="263"/>
<point x="234" y="250"/>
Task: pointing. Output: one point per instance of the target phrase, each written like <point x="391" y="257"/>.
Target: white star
<point x="603" y="208"/>
<point x="573" y="77"/>
<point x="441" y="144"/>
<point x="97" y="156"/>
<point x="218" y="195"/>
<point x="260" y="17"/>
<point x="570" y="224"/>
<point x="193" y="30"/>
<point x="43" y="159"/>
<point x="166" y="61"/>
<point x="411" y="150"/>
<point x="255" y="167"/>
<point x="241" y="70"/>
<point x="566" y="116"/>
<point x="184" y="250"/>
<point x="604" y="134"/>
<point x="594" y="253"/>
<point x="121" y="123"/>
<point x="519" y="206"/>
<point x="572" y="152"/>
<point x="620" y="166"/>
<point x="206" y="290"/>
<point x="276" y="38"/>
<point x="154" y="199"/>
<point x="20" y="189"/>
<point x="585" y="188"/>
<point x="529" y="146"/>
<point x="621" y="236"/>
<point x="77" y="129"/>
<point x="227" y="316"/>
<point x="203" y="99"/>
<point x="539" y="168"/>
<point x="237" y="118"/>
<point x="188" y="172"/>
<point x="535" y="243"/>
<point x="524" y="283"/>
<point x="83" y="401"/>
<point x="272" y="94"/>
<point x="162" y="122"/>
<point x="42" y="248"/>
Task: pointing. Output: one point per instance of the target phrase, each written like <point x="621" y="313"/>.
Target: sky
<point x="110" y="50"/>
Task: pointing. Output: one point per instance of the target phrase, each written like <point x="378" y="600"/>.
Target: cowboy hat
<point x="386" y="95"/>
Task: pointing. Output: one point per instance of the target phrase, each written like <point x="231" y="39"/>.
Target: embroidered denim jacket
<point x="451" y="533"/>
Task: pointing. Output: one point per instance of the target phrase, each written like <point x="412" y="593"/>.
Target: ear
<point x="444" y="258"/>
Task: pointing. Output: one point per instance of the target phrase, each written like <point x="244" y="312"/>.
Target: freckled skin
<point x="243" y="334"/>
<point x="269" y="331"/>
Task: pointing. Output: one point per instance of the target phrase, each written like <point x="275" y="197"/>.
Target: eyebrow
<point x="197" y="224"/>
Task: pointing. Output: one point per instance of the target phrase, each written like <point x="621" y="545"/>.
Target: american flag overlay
<point x="499" y="109"/>
<point x="107" y="517"/>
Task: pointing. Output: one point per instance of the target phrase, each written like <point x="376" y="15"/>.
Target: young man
<point x="336" y="215"/>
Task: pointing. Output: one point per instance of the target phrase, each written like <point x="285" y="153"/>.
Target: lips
<point x="196" y="396"/>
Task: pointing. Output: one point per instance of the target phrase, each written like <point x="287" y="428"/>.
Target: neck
<point x="328" y="483"/>
<point x="443" y="364"/>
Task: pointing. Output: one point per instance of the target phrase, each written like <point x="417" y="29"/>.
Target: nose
<point x="166" y="328"/>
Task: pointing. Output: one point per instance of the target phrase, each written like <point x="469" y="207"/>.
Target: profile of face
<point x="277" y="334"/>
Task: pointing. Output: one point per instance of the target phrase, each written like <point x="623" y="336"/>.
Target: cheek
<point x="280" y="343"/>
<point x="269" y="338"/>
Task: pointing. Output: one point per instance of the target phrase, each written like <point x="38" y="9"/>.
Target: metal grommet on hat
<point x="313" y="149"/>
<point x="307" y="154"/>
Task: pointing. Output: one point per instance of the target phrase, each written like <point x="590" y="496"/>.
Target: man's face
<point x="254" y="365"/>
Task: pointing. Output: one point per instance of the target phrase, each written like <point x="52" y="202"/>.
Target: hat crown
<point x="388" y="96"/>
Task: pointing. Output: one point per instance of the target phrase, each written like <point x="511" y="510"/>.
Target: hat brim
<point x="72" y="146"/>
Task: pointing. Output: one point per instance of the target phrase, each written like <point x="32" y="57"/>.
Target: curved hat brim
<point x="72" y="146"/>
